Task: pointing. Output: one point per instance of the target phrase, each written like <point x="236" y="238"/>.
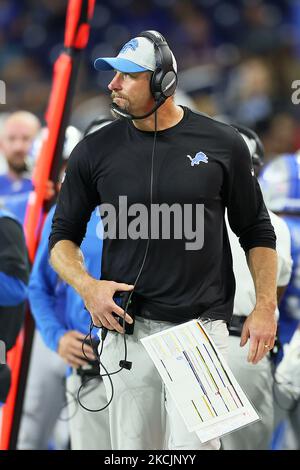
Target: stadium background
<point x="236" y="58"/>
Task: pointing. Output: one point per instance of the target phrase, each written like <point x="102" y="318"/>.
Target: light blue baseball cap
<point x="137" y="55"/>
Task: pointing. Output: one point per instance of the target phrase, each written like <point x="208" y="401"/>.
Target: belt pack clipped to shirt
<point x="236" y="325"/>
<point x="91" y="369"/>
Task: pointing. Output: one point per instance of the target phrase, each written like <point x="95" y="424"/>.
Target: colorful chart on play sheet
<point x="204" y="389"/>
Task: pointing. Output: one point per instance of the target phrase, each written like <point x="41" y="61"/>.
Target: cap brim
<point x="116" y="63"/>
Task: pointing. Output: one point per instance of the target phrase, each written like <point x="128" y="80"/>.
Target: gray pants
<point x="287" y="412"/>
<point x="142" y="415"/>
<point x="256" y="381"/>
<point x="44" y="398"/>
<point x="291" y="437"/>
<point x="89" y="431"/>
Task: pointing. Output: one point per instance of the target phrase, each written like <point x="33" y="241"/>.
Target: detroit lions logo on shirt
<point x="199" y="157"/>
<point x="133" y="45"/>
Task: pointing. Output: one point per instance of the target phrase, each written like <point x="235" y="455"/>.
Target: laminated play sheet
<point x="205" y="392"/>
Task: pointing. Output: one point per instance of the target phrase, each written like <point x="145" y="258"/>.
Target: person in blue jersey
<point x="14" y="274"/>
<point x="17" y="135"/>
<point x="280" y="184"/>
<point x="63" y="324"/>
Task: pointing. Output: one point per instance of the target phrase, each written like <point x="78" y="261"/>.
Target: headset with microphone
<point x="164" y="78"/>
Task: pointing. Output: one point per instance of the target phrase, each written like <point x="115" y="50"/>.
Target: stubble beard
<point x="19" y="168"/>
<point x="123" y="105"/>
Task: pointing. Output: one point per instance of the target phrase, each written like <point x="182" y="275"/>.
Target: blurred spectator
<point x="17" y="135"/>
<point x="193" y="35"/>
<point x="249" y="96"/>
<point x="261" y="33"/>
<point x="206" y="103"/>
<point x="280" y="185"/>
<point x="210" y="33"/>
<point x="280" y="136"/>
<point x="3" y="164"/>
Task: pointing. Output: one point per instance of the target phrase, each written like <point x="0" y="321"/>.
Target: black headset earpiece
<point x="164" y="78"/>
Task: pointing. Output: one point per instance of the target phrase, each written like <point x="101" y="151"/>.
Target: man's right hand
<point x="70" y="349"/>
<point x="98" y="299"/>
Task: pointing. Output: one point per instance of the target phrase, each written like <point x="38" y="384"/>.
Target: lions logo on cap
<point x="133" y="44"/>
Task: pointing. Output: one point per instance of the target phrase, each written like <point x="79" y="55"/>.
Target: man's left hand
<point x="260" y="327"/>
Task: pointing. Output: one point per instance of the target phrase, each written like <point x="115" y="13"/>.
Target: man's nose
<point x="115" y="84"/>
<point x="20" y="146"/>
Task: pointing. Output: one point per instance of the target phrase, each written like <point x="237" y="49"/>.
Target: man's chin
<point x="120" y="107"/>
<point x="18" y="169"/>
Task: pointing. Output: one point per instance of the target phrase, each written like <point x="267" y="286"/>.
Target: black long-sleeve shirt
<point x="176" y="284"/>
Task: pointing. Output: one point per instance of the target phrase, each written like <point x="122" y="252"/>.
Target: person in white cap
<point x="161" y="153"/>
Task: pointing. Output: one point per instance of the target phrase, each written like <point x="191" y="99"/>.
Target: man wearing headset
<point x="161" y="153"/>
